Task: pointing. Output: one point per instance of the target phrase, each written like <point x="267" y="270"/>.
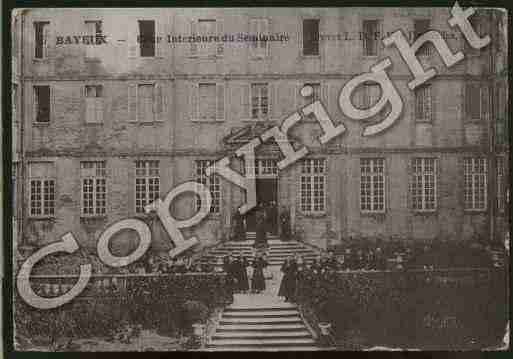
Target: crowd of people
<point x="266" y="216"/>
<point x="240" y="272"/>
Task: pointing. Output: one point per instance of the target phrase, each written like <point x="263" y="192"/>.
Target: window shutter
<point x="194" y="46"/>
<point x="193" y="96"/>
<point x="158" y="102"/>
<point x="46" y="42"/>
<point x="99" y="109"/>
<point x="160" y="31"/>
<point x="132" y="103"/>
<point x="90" y="109"/>
<point x="466" y="95"/>
<point x="429" y="104"/>
<point x="133" y="46"/>
<point x="272" y="98"/>
<point x="325" y="94"/>
<point x="266" y="29"/>
<point x="485" y="103"/>
<point x="220" y="92"/>
<point x="246" y="101"/>
<point x="220" y="44"/>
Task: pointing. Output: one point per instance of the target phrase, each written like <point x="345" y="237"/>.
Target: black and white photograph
<point x="259" y="179"/>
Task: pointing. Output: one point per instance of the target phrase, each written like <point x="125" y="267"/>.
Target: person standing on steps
<point x="238" y="232"/>
<point x="240" y="266"/>
<point x="258" y="279"/>
<point x="288" y="282"/>
<point x="261" y="227"/>
<point x="285" y="224"/>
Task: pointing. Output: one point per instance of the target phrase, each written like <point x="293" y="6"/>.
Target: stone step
<point x="259" y="313"/>
<point x="258" y="306"/>
<point x="260" y="320"/>
<point x="261" y="327"/>
<point x="253" y="334"/>
<point x="264" y="349"/>
<point x="263" y="342"/>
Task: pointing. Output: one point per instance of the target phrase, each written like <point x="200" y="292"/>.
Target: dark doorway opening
<point x="267" y="195"/>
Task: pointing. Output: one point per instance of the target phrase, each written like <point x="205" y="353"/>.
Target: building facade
<point x="108" y="123"/>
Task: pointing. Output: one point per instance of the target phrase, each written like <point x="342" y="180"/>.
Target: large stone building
<point x="108" y="123"/>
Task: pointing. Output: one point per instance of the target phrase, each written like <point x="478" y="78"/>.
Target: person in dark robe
<point x="288" y="282"/>
<point x="285" y="224"/>
<point x="258" y="279"/>
<point x="240" y="266"/>
<point x="261" y="227"/>
<point x="238" y="226"/>
<point x="331" y="261"/>
<point x="316" y="267"/>
<point x="271" y="217"/>
<point x="228" y="269"/>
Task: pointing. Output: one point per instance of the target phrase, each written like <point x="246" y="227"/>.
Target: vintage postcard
<point x="260" y="179"/>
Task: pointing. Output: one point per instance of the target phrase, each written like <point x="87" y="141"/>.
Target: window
<point x="316" y="93"/>
<point x="259" y="101"/>
<point x="475" y="183"/>
<point x="207" y="101"/>
<point x="477" y="101"/>
<point x="478" y="24"/>
<point x="423" y="103"/>
<point x="145" y="102"/>
<point x="370" y="37"/>
<point x="500" y="184"/>
<point x="213" y="183"/>
<point x="41" y="39"/>
<point x="420" y="27"/>
<point x="14" y="103"/>
<point x="14" y="189"/>
<point x="423" y="184"/>
<point x="372" y="185"/>
<point x="312" y="185"/>
<point x="311" y="37"/>
<point x="266" y="168"/>
<point x="501" y="128"/>
<point x="42" y="103"/>
<point x="147" y="184"/>
<point x="94" y="188"/>
<point x="42" y="189"/>
<point x="209" y="31"/>
<point x="93" y="29"/>
<point x="259" y="27"/>
<point x="147" y="38"/>
<point x="370" y="95"/>
<point x="94" y="103"/>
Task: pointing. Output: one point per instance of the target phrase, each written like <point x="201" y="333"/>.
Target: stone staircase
<point x="277" y="252"/>
<point x="256" y="322"/>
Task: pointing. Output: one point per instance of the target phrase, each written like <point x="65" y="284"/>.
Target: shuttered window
<point x="370" y="37"/>
<point x="420" y="27"/>
<point x="41" y="39"/>
<point x="42" y="103"/>
<point x="94" y="103"/>
<point x="311" y="37"/>
<point x="259" y="27"/>
<point x="423" y="102"/>
<point x="147" y="38"/>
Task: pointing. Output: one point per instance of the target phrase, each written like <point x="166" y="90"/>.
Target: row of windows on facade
<point x="147" y="101"/>
<point x="312" y="185"/>
<point x="311" y="37"/>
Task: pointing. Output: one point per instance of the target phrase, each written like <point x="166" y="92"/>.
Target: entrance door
<point x="266" y="193"/>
